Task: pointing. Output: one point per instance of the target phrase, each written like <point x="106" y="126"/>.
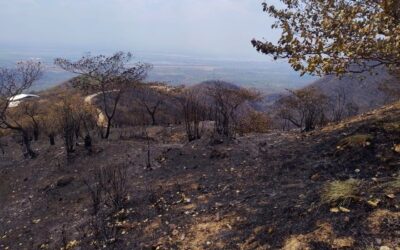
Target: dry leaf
<point x="344" y="210"/>
<point x="391" y="196"/>
<point x="374" y="202"/>
<point x="36" y="221"/>
<point x="335" y="210"/>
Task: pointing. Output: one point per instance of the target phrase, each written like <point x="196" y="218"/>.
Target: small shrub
<point x="108" y="191"/>
<point x="254" y="122"/>
<point x="341" y="191"/>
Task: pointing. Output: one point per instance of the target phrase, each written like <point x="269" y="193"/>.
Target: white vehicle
<point x="16" y="100"/>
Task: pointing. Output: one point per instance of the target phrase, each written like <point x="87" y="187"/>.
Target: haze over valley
<point x="176" y="69"/>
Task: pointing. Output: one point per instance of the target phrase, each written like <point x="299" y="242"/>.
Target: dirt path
<point x="101" y="117"/>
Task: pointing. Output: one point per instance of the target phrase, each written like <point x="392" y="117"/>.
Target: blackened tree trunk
<point x="69" y="140"/>
<point x="108" y="129"/>
<point x="36" y="134"/>
<point x="27" y="143"/>
<point x="52" y="140"/>
<point x="88" y="143"/>
<point x="153" y="119"/>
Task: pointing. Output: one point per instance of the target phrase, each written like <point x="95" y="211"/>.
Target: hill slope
<point x="263" y="191"/>
<point x="361" y="89"/>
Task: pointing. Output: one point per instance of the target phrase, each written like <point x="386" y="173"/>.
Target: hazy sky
<point x="220" y="28"/>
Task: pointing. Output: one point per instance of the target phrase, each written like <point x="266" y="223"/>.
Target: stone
<point x="315" y="177"/>
<point x="64" y="181"/>
<point x="396" y="148"/>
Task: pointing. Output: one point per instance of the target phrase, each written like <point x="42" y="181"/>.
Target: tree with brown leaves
<point x="72" y="115"/>
<point x="335" y="36"/>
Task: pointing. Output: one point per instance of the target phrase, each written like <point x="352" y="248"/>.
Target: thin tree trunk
<point x="153" y="119"/>
<point x="148" y="165"/>
<point x="27" y="144"/>
<point x="108" y="129"/>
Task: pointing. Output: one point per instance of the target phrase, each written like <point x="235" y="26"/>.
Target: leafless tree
<point x="303" y="108"/>
<point x="352" y="109"/>
<point x="226" y="101"/>
<point x="14" y="81"/>
<point x="68" y="122"/>
<point x="338" y="103"/>
<point x="193" y="110"/>
<point x="107" y="76"/>
<point x="151" y="100"/>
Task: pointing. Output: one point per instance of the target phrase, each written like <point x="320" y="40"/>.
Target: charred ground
<point x="260" y="191"/>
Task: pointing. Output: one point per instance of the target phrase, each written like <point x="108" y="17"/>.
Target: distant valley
<point x="268" y="76"/>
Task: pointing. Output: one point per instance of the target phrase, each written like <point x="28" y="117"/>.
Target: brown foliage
<point x="331" y="37"/>
<point x="254" y="122"/>
<point x="72" y="116"/>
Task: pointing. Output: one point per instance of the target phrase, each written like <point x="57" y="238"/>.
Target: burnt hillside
<point x="336" y="188"/>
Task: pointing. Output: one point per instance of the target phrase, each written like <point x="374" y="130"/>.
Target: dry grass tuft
<point x="393" y="185"/>
<point x="360" y="140"/>
<point x="340" y="191"/>
<point x="391" y="127"/>
<point x="323" y="234"/>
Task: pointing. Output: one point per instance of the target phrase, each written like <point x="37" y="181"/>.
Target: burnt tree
<point x="14" y="81"/>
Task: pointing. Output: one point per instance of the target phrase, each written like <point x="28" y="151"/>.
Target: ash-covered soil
<point x="260" y="191"/>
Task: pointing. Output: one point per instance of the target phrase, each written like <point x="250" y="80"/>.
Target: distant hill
<point x="362" y="89"/>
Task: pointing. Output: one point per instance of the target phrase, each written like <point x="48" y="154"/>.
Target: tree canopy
<point x="335" y="36"/>
<point x="107" y="76"/>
